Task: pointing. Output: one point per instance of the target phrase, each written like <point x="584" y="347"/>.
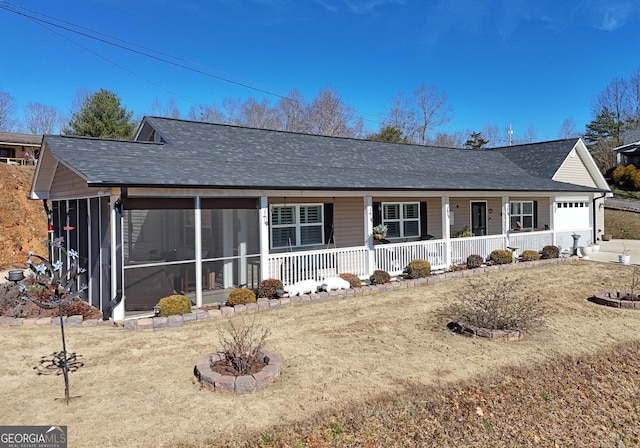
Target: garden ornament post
<point x="56" y="284"/>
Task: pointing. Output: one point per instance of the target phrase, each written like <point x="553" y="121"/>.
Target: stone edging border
<point x="244" y="384"/>
<point x="157" y="323"/>
<point x="612" y="299"/>
<point x="494" y="335"/>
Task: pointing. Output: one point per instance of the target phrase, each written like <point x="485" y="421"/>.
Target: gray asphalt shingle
<point x="221" y="156"/>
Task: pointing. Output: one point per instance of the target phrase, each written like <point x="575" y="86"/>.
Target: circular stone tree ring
<point x="244" y="384"/>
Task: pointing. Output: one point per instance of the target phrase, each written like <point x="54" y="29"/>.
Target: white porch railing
<point x="292" y="267"/>
<point x="461" y="248"/>
<point x="395" y="257"/>
<point x="530" y="240"/>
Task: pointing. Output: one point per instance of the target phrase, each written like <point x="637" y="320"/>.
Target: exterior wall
<point x="434" y="217"/>
<point x="574" y="171"/>
<point x="348" y="222"/>
<point x="66" y="184"/>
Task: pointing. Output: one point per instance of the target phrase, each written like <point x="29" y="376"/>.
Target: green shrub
<point x="529" y="255"/>
<point x="418" y="268"/>
<point x="269" y="288"/>
<point x="464" y="233"/>
<point x="549" y="252"/>
<point x="379" y="277"/>
<point x="501" y="256"/>
<point x="474" y="261"/>
<point x="241" y="296"/>
<point x="353" y="279"/>
<point x="175" y="304"/>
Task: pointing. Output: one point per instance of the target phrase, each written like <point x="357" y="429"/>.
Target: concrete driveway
<point x="609" y="251"/>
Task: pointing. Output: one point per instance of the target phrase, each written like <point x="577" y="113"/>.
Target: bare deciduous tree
<point x="41" y="119"/>
<point x="170" y="110"/>
<point x="329" y="115"/>
<point x="568" y="129"/>
<point x="207" y="114"/>
<point x="258" y="114"/>
<point x="292" y="112"/>
<point x="8" y="120"/>
<point x="420" y="115"/>
<point x="431" y="110"/>
<point x="491" y="133"/>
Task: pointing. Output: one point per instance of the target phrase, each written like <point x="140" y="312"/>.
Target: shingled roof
<point x="205" y="155"/>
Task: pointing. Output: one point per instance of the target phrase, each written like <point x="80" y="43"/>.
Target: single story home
<point x="20" y="149"/>
<point x="200" y="208"/>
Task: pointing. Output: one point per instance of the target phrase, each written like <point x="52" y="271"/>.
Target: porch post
<point x="117" y="271"/>
<point x="553" y="206"/>
<point x="506" y="219"/>
<point x="368" y="235"/>
<point x="446" y="230"/>
<point x="263" y="230"/>
<point x="197" y="221"/>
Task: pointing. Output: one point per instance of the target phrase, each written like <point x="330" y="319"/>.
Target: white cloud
<point x="355" y="6"/>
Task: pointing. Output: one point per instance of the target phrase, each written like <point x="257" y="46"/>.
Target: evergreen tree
<point x="606" y="127"/>
<point x="101" y="115"/>
<point x="389" y="134"/>
<point x="475" y="141"/>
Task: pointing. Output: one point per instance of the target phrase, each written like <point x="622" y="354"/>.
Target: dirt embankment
<point x="23" y="222"/>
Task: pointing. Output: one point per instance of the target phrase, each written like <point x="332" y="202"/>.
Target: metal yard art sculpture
<point x="56" y="285"/>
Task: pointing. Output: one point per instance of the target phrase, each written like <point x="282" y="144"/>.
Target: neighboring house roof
<point x="221" y="156"/>
<point x="13" y="139"/>
<point x="631" y="148"/>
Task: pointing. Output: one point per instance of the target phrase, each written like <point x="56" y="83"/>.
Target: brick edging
<point x="612" y="299"/>
<point x="157" y="323"/>
<point x="244" y="384"/>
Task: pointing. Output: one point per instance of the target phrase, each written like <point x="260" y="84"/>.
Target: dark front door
<point x="479" y="218"/>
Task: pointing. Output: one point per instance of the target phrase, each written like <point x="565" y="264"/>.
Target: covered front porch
<point x="204" y="246"/>
<point x="318" y="264"/>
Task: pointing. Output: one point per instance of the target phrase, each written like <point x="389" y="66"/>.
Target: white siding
<point x="574" y="171"/>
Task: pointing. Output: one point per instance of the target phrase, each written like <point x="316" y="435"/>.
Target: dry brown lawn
<point x="137" y="388"/>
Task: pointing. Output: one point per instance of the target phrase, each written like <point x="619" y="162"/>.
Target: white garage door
<point x="572" y="215"/>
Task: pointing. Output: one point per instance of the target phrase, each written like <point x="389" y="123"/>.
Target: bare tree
<point x="445" y="140"/>
<point x="41" y="119"/>
<point x="292" y="110"/>
<point x="431" y="110"/>
<point x="329" y="115"/>
<point x="421" y="115"/>
<point x="207" y="114"/>
<point x="530" y="135"/>
<point x="491" y="133"/>
<point x="615" y="98"/>
<point x="258" y="114"/>
<point x="568" y="129"/>
<point x="633" y="90"/>
<point x="8" y="120"/>
<point x="402" y="116"/>
<point x="170" y="110"/>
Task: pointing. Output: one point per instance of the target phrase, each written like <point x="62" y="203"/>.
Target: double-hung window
<point x="402" y="219"/>
<point x="296" y="225"/>
<point x="522" y="212"/>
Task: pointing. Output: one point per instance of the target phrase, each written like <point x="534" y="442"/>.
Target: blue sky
<point x="530" y="63"/>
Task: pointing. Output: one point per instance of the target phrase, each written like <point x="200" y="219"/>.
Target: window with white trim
<point x="522" y="213"/>
<point x="296" y="225"/>
<point x="402" y="219"/>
